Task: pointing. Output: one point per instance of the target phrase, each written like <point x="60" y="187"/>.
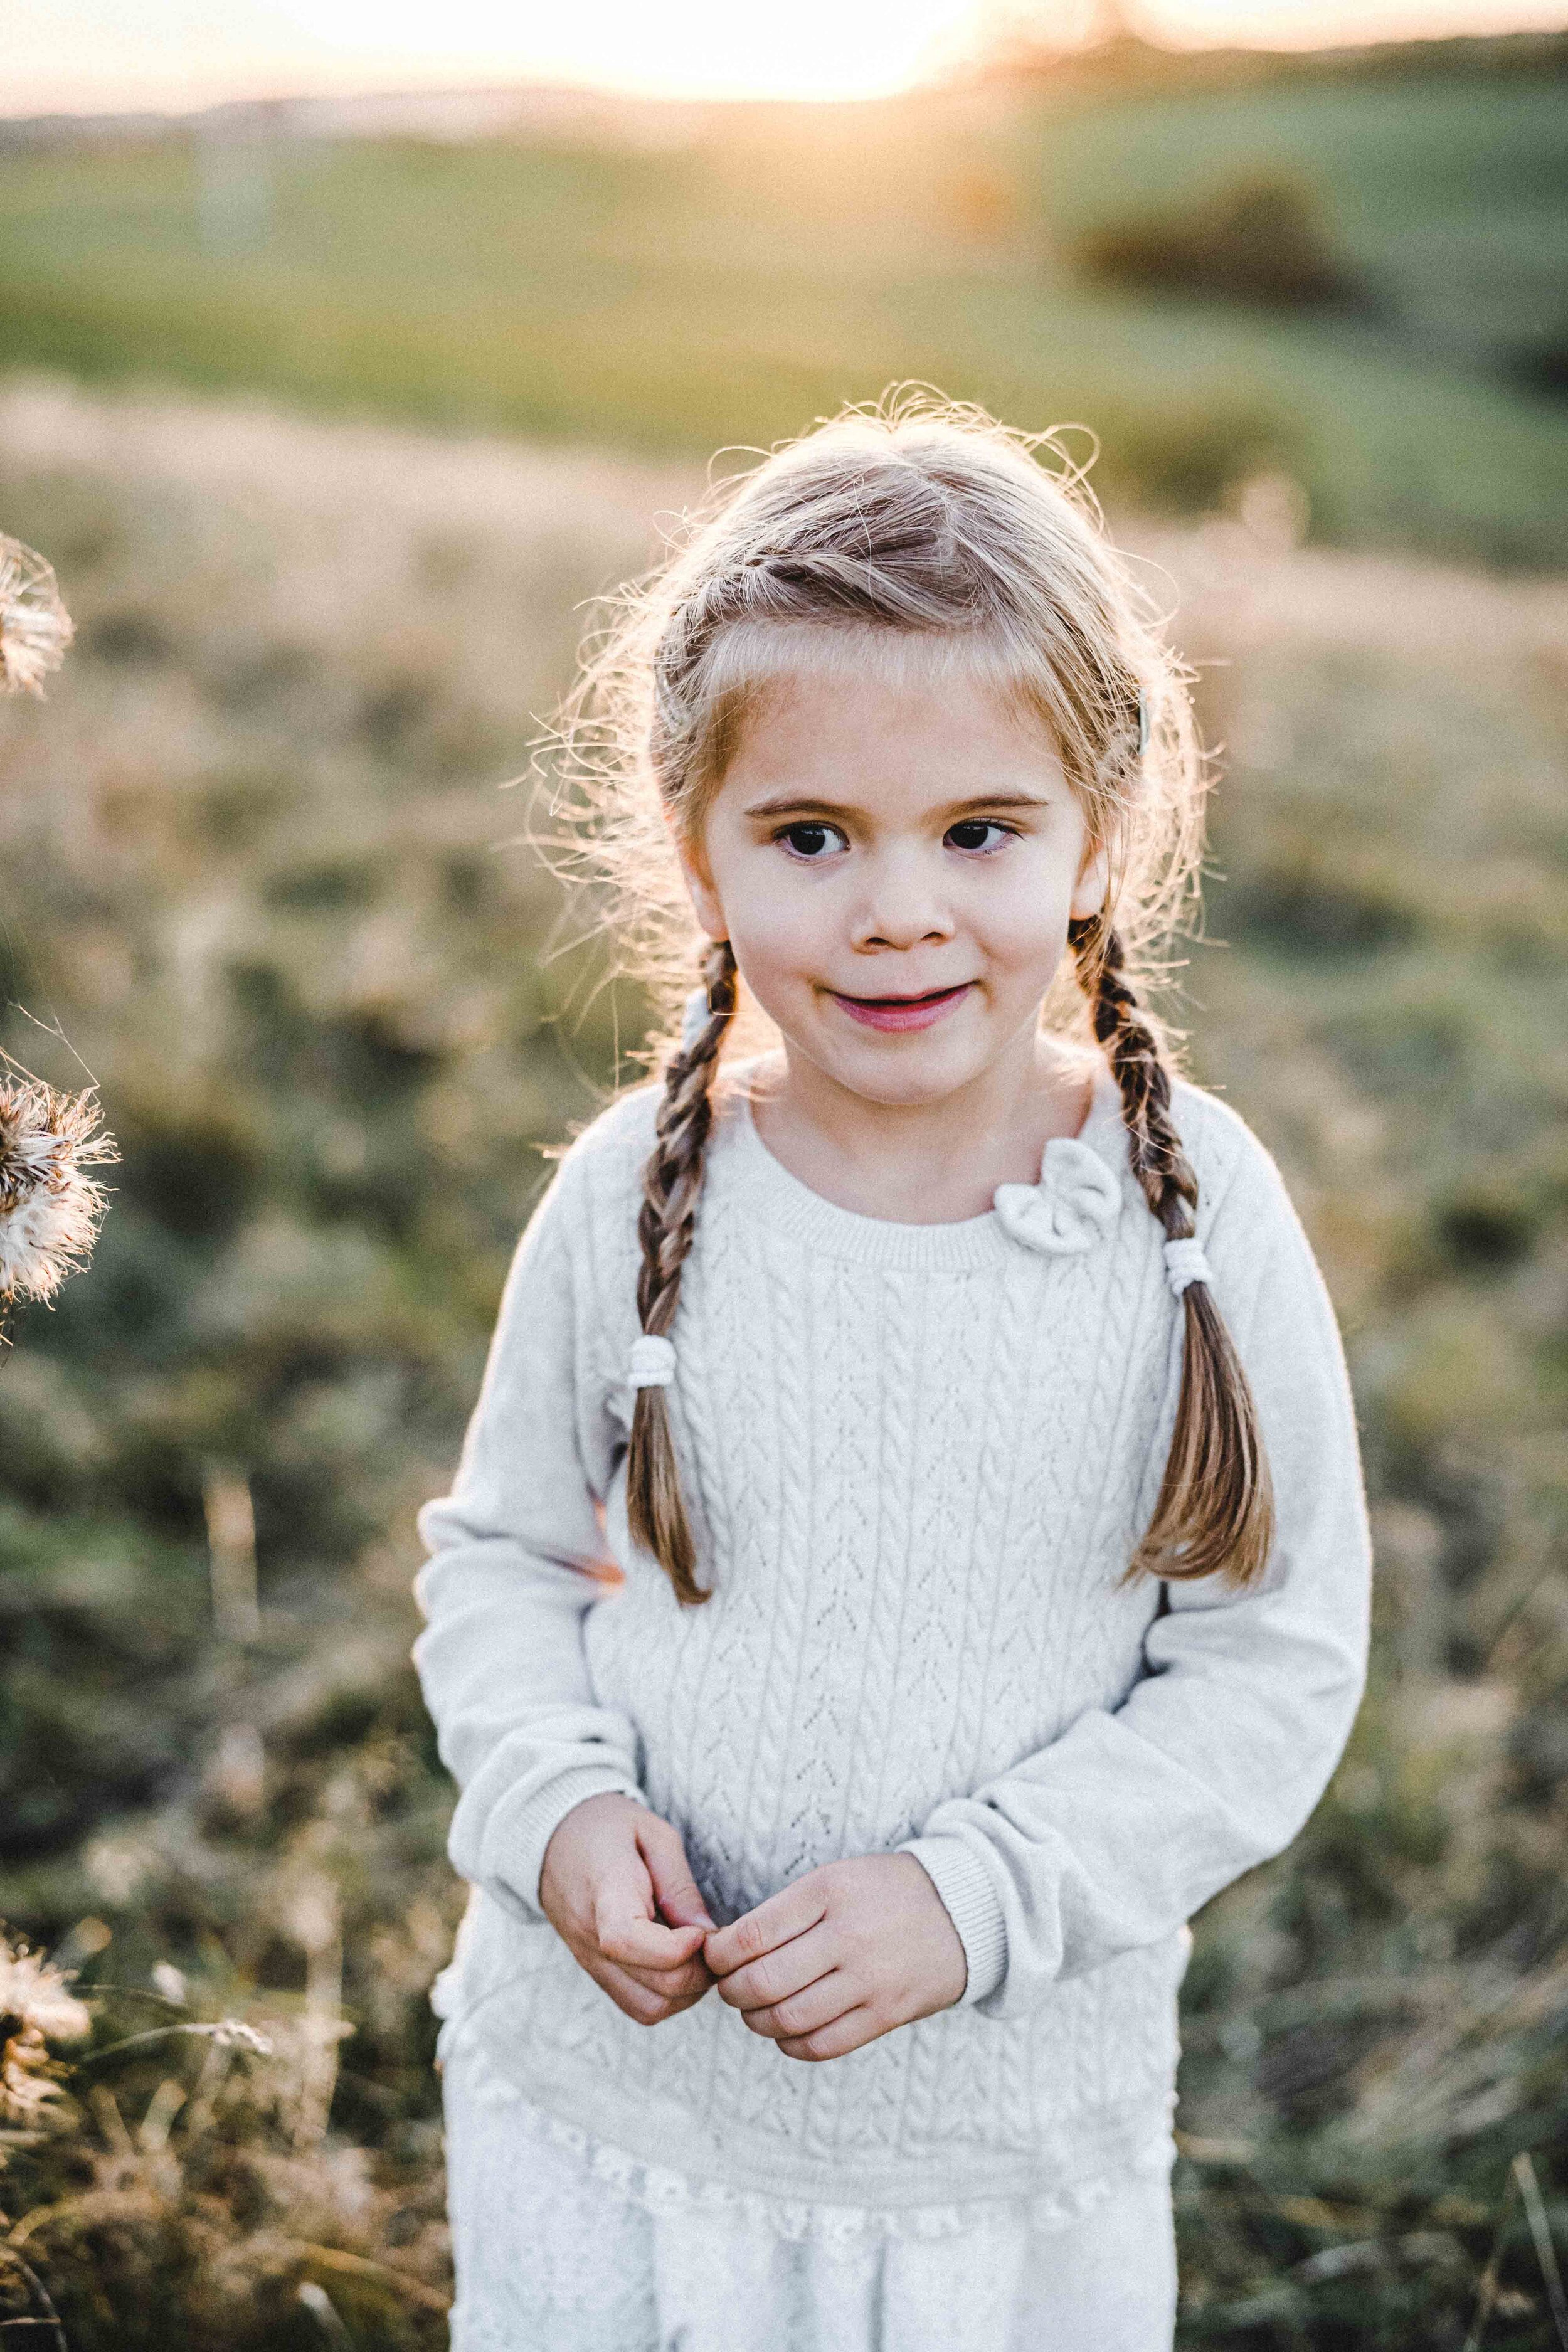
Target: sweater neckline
<point x="766" y="1189"/>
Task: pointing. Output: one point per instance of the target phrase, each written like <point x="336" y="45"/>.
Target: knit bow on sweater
<point x="1077" y="1200"/>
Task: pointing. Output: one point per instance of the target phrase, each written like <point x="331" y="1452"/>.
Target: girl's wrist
<point x="969" y="1897"/>
<point x="516" y="1841"/>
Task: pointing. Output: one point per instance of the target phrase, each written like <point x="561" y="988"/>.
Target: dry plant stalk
<point x="35" y="627"/>
<point x="231" y="1553"/>
<point x="314" y="1919"/>
<point x="49" y="1206"/>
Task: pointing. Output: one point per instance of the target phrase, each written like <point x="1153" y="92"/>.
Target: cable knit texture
<point x="917" y="1460"/>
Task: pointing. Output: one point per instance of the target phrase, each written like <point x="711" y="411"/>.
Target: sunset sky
<point x="85" y="54"/>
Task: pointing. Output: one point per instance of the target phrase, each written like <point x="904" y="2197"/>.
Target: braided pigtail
<point x="672" y="1182"/>
<point x="1215" y="1510"/>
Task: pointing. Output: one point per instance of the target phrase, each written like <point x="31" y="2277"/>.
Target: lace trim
<point x="658" y="2188"/>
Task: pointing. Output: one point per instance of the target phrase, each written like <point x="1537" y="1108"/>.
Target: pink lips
<point x="903" y="1012"/>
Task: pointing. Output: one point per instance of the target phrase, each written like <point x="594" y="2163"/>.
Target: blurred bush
<point x="1265" y="238"/>
<point x="1541" y="365"/>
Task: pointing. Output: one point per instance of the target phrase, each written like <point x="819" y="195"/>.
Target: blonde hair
<point x="925" y="529"/>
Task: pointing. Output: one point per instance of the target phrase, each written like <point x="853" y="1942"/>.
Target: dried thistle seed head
<point x="35" y="2009"/>
<point x="49" y="1206"/>
<point x="35" y="627"/>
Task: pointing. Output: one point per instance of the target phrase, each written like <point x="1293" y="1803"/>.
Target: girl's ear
<point x="1093" y="881"/>
<point x="700" y="889"/>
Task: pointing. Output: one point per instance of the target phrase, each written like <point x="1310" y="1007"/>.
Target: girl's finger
<point x="692" y="1977"/>
<point x="801" y="1962"/>
<point x="850" y="2031"/>
<point x="832" y="1996"/>
<point x="646" y="2007"/>
<point x="675" y="1892"/>
<point x="638" y="1941"/>
<point x="638" y="2002"/>
<point x="785" y="1915"/>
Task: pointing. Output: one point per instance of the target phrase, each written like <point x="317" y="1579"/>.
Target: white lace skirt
<point x="563" y="2245"/>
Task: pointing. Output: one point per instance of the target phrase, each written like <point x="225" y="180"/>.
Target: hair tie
<point x="1186" y="1263"/>
<point x="696" y="1014"/>
<point x="652" y="1362"/>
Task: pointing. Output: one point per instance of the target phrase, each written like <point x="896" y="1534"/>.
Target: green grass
<point x="784" y="260"/>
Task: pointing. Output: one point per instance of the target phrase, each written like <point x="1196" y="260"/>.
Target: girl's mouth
<point x="903" y="1012"/>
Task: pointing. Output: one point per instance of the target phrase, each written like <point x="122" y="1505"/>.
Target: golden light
<point x="79" y="55"/>
<point x="806" y="48"/>
<point x="74" y="55"/>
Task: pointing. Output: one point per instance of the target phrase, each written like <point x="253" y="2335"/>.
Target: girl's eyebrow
<point x="787" y="804"/>
<point x="790" y="805"/>
<point x="1005" y="800"/>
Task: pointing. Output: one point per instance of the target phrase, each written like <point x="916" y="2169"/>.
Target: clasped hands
<point x="841" y="1955"/>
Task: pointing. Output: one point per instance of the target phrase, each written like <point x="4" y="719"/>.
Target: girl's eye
<point x="981" y="832"/>
<point x="811" y="840"/>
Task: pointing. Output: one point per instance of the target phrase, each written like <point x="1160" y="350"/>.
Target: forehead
<point x="885" y="715"/>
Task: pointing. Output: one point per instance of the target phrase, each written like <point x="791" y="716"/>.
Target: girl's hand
<point x="617" y="1888"/>
<point x="846" y="1954"/>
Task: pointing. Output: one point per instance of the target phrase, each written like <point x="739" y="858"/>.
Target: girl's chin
<point x="905" y="1072"/>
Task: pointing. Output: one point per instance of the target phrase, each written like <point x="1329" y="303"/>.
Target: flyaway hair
<point x="921" y="534"/>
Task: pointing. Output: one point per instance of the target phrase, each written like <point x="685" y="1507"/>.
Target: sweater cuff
<point x="515" y="1842"/>
<point x="963" y="1882"/>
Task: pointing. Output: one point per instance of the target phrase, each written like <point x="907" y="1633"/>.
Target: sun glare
<point x="809" y="49"/>
<point x="77" y="55"/>
<point x="82" y="56"/>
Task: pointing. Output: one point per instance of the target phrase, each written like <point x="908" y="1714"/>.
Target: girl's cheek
<point x="788" y="931"/>
<point x="779" y="960"/>
<point x="1025" y="929"/>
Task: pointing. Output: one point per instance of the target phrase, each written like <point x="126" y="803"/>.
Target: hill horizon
<point x="1123" y="56"/>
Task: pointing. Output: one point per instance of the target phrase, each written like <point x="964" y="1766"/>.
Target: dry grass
<point x="253" y="873"/>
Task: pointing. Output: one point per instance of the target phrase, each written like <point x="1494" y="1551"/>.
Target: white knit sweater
<point x="917" y="1460"/>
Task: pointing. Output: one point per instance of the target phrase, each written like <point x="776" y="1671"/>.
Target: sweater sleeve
<point x="508" y="1581"/>
<point x="1114" y="1835"/>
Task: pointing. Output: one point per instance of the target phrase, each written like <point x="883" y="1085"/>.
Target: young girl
<point x="910" y="1550"/>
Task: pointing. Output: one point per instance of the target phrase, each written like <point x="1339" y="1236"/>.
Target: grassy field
<point x="253" y="879"/>
<point x="743" y="267"/>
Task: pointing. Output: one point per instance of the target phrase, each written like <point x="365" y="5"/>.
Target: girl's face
<point x="895" y="865"/>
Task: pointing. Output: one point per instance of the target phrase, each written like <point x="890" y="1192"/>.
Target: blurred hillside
<point x="671" y="278"/>
<point x="254" y="877"/>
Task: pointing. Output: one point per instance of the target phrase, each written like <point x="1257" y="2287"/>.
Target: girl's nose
<point x="904" y="907"/>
